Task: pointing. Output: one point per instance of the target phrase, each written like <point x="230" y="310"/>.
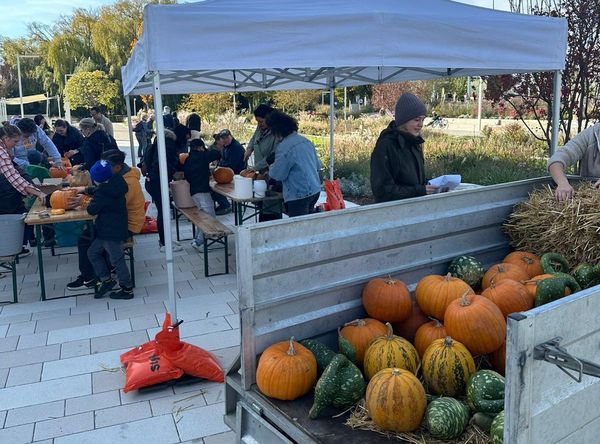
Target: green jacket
<point x="397" y="166"/>
<point x="262" y="147"/>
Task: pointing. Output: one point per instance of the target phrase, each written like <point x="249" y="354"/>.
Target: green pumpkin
<point x="446" y="418"/>
<point x="468" y="269"/>
<point x="553" y="263"/>
<point x="586" y="275"/>
<point x="551" y="289"/>
<point x="323" y="354"/>
<point x="497" y="429"/>
<point x="346" y="348"/>
<point x="341" y="385"/>
<point x="485" y="392"/>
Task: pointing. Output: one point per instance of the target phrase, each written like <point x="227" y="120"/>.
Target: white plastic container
<point x="11" y="234"/>
<point x="242" y="186"/>
<point x="260" y="188"/>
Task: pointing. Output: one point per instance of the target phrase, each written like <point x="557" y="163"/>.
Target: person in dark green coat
<point x="397" y="162"/>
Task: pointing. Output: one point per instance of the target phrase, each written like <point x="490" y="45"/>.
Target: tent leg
<point x="479" y="103"/>
<point x="58" y="104"/>
<point x="130" y="127"/>
<point x="331" y="128"/>
<point x="555" y="111"/>
<point x="164" y="187"/>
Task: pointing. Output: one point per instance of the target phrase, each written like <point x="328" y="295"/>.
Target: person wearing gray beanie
<point x="397" y="162"/>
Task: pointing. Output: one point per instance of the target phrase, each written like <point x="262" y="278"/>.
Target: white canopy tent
<point x="237" y="45"/>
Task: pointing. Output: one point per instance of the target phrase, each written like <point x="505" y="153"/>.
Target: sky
<point x="15" y="15"/>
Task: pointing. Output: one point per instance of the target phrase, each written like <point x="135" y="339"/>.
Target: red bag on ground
<point x="145" y="350"/>
<point x="149" y="369"/>
<point x="150" y="224"/>
<point x="193" y="360"/>
<point x="335" y="200"/>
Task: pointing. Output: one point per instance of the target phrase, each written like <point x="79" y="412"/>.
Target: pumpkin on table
<point x="223" y="175"/>
<point x="58" y="173"/>
<point x="509" y="296"/>
<point x="427" y="333"/>
<point x="59" y="199"/>
<point x="66" y="163"/>
<point x="434" y="293"/>
<point x="408" y="328"/>
<point x="390" y="351"/>
<point x="286" y="370"/>
<point x="526" y="260"/>
<point x="387" y="300"/>
<point x="476" y="322"/>
<point x="447" y="366"/>
<point x="396" y="400"/>
<point x="355" y="337"/>
<point x="502" y="271"/>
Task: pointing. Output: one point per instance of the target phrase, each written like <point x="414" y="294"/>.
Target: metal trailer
<point x="304" y="278"/>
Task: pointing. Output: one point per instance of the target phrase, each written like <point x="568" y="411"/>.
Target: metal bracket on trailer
<point x="554" y="354"/>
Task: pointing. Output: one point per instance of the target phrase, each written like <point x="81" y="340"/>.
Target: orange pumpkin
<point x="531" y="285"/>
<point x="359" y="333"/>
<point x="387" y="300"/>
<point x="85" y="201"/>
<point x="407" y="328"/>
<point x="390" y="351"/>
<point x="286" y="371"/>
<point x="477" y="323"/>
<point x="427" y="333"/>
<point x="527" y="261"/>
<point x="434" y="293"/>
<point x="57" y="173"/>
<point x="447" y="366"/>
<point x="59" y="199"/>
<point x="498" y="359"/>
<point x="396" y="400"/>
<point x="223" y="175"/>
<point x="503" y="271"/>
<point x="510" y="296"/>
<point x="248" y="173"/>
<point x="66" y="163"/>
<point x="183" y="157"/>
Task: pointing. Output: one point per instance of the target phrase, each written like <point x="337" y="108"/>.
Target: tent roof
<point x="226" y="45"/>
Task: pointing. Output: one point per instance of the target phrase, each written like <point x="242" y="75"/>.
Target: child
<point x="197" y="172"/>
<point x="110" y="226"/>
<point x="34" y="169"/>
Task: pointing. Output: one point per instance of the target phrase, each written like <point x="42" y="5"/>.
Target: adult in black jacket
<point x="397" y="162"/>
<point x="152" y="173"/>
<point x="95" y="143"/>
<point x="68" y="141"/>
<point x="233" y="152"/>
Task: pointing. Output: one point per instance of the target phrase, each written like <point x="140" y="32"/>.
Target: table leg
<point x="235" y="214"/>
<point x="38" y="241"/>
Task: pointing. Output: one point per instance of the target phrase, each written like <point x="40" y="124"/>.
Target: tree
<point x="87" y="89"/>
<point x="208" y="105"/>
<point x="580" y="91"/>
<point x="296" y="101"/>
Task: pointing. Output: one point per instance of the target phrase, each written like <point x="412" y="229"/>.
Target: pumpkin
<point x="503" y="271"/>
<point x="550" y="290"/>
<point x="554" y="262"/>
<point x="497" y="429"/>
<point x="57" y="212"/>
<point x="248" y="173"/>
<point x="223" y="175"/>
<point x="85" y="201"/>
<point x="66" y="163"/>
<point x="434" y="293"/>
<point x="387" y="300"/>
<point x="60" y="198"/>
<point x="286" y="370"/>
<point x="498" y="359"/>
<point x="396" y="400"/>
<point x="427" y="333"/>
<point x="531" y="285"/>
<point x="476" y="322"/>
<point x="58" y="173"/>
<point x="485" y="392"/>
<point x="323" y="354"/>
<point x="183" y="157"/>
<point x="446" y="418"/>
<point x="355" y="337"/>
<point x="447" y="366"/>
<point x="390" y="351"/>
<point x="468" y="269"/>
<point x="407" y="328"/>
<point x="527" y="261"/>
<point x="510" y="296"/>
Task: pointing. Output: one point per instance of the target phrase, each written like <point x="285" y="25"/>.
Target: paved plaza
<point x="60" y="376"/>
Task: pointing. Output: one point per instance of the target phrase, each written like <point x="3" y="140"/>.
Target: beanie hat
<point x="87" y="122"/>
<point x="101" y="171"/>
<point x="408" y="107"/>
<point x="34" y="157"/>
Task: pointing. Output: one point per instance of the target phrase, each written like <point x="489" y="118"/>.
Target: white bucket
<point x="260" y="188"/>
<point x="242" y="186"/>
<point x="11" y="234"/>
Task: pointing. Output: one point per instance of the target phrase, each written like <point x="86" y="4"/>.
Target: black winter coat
<point x="93" y="147"/>
<point x="233" y="157"/>
<point x="108" y="205"/>
<point x="151" y="159"/>
<point x="397" y="166"/>
<point x="11" y="201"/>
<point x="197" y="170"/>
<point x="73" y="140"/>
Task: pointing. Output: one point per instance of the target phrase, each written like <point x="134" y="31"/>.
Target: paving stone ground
<point x="60" y="380"/>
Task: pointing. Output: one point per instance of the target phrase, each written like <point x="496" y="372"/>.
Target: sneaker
<point x="24" y="253"/>
<point x="123" y="293"/>
<point x="199" y="246"/>
<point x="220" y="211"/>
<point x="81" y="284"/>
<point x="102" y="288"/>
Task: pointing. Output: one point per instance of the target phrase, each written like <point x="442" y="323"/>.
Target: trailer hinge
<point x="554" y="354"/>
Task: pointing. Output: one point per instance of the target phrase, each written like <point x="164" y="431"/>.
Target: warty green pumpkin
<point x="446" y="418"/>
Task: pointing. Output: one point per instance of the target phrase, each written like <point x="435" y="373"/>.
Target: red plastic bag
<point x="193" y="360"/>
<point x="335" y="200"/>
<point x="145" y="350"/>
<point x="150" y="224"/>
<point x="147" y="370"/>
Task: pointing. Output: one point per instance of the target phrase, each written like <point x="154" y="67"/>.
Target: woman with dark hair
<point x="31" y="135"/>
<point x="262" y="143"/>
<point x="68" y="141"/>
<point x="194" y="123"/>
<point x="296" y="165"/>
<point x="41" y="121"/>
<point x="95" y="143"/>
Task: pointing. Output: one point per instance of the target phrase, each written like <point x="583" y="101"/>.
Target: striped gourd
<point x="447" y="366"/>
<point x="446" y="418"/>
<point x="497" y="429"/>
<point x="390" y="351"/>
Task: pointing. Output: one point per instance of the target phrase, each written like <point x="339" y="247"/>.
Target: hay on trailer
<point x="572" y="228"/>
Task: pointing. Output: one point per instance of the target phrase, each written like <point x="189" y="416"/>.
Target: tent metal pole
<point x="164" y="191"/>
<point x="331" y="127"/>
<point x="130" y="127"/>
<point x="555" y="111"/>
<point x="58" y="104"/>
<point x="479" y="103"/>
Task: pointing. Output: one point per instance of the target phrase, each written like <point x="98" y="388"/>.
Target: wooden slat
<point x="209" y="225"/>
<point x="33" y="216"/>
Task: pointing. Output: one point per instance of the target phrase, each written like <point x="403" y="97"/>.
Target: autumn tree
<point x="87" y="89"/>
<point x="296" y="101"/>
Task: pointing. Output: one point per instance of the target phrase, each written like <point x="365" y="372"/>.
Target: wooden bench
<point x="9" y="263"/>
<point x="213" y="230"/>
